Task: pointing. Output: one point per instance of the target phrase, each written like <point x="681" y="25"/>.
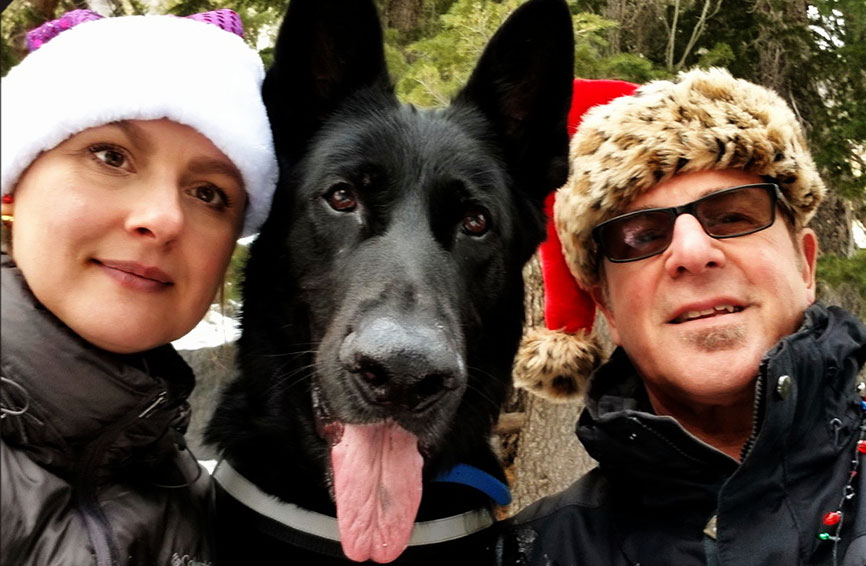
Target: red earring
<point x="8" y="199"/>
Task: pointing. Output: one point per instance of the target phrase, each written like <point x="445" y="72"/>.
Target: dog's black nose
<point x="395" y="363"/>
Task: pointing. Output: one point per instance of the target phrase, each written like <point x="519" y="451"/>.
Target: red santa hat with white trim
<point x="554" y="361"/>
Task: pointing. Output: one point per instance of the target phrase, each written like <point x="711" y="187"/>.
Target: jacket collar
<point x="74" y="392"/>
<point x="620" y="430"/>
<point x="319" y="533"/>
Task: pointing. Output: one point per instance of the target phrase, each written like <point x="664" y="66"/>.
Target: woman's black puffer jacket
<point x="94" y="468"/>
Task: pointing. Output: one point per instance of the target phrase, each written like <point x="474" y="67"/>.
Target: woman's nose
<point x="157" y="213"/>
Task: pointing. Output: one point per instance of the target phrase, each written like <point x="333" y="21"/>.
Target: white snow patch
<point x="859" y="234"/>
<point x="213" y="330"/>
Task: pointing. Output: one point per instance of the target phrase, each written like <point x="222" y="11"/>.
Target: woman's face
<point x="124" y="231"/>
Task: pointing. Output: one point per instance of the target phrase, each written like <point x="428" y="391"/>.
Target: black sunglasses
<point x="728" y="213"/>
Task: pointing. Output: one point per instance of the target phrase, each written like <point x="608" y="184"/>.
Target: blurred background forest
<point x="812" y="52"/>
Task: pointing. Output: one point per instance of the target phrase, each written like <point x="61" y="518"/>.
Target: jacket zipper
<point x="94" y="519"/>
<point x="160" y="399"/>
<point x="757" y="411"/>
<point x="711" y="545"/>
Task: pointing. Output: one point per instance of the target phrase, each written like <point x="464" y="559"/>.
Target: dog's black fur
<point x="386" y="283"/>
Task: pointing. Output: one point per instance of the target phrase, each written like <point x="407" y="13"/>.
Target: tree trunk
<point x="614" y="10"/>
<point x="46" y="9"/>
<point x="403" y="15"/>
<point x="833" y="224"/>
<point x="547" y="457"/>
<point x="778" y="70"/>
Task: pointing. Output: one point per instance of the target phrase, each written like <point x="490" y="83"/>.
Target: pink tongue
<point x="377" y="486"/>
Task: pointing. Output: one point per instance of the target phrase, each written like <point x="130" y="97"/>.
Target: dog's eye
<point x="341" y="197"/>
<point x="475" y="222"/>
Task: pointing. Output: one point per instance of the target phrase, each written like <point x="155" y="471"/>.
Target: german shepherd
<point x="383" y="298"/>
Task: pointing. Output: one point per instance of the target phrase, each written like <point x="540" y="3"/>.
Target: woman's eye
<point x="476" y="222"/>
<point x="211" y="195"/>
<point x="111" y="156"/>
<point x="341" y="197"/>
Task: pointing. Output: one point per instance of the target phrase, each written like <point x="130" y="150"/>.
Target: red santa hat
<point x="554" y="362"/>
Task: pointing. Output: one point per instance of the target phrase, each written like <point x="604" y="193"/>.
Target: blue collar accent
<point x="479" y="479"/>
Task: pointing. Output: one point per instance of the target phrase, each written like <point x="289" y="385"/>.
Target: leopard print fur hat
<point x="702" y="120"/>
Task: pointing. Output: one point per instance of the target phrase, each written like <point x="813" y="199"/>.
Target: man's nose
<point x="691" y="249"/>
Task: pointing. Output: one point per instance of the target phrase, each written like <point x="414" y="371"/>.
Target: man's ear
<point x="808" y="242"/>
<point x="600" y="297"/>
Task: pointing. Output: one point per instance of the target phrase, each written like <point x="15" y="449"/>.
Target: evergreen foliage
<point x="813" y="52"/>
<point x="843" y="280"/>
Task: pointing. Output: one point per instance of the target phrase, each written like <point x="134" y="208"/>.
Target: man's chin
<point x="717" y="338"/>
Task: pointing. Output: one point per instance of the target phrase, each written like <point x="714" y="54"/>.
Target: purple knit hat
<point x="227" y="20"/>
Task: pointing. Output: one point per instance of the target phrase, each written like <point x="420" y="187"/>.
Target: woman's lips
<point x="135" y="275"/>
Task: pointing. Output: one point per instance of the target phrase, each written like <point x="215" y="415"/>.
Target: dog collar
<point x="479" y="479"/>
<point x="325" y="526"/>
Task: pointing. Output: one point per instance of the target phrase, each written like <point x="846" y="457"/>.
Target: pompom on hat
<point x="701" y="120"/>
<point x="554" y="362"/>
<point x="86" y="71"/>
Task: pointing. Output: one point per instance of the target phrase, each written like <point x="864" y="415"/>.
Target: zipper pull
<point x="160" y="399"/>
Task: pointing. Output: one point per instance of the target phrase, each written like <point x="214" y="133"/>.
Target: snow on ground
<point x="213" y="330"/>
<point x="859" y="235"/>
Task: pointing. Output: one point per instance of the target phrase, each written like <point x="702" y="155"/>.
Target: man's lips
<point x="695" y="313"/>
<point x="131" y="268"/>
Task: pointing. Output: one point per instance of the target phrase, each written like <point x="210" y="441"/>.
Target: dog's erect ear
<point x="326" y="49"/>
<point x="523" y="84"/>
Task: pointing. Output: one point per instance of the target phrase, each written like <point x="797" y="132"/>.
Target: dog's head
<point x="385" y="290"/>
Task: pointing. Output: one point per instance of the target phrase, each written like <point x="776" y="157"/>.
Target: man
<point x="727" y="424"/>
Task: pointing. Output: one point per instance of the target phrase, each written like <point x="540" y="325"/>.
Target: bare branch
<point x="698" y="30"/>
<point x="669" y="56"/>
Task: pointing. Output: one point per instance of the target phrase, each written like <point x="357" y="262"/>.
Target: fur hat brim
<point x="703" y="120"/>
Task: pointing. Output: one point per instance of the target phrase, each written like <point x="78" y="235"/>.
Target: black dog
<point x="383" y="299"/>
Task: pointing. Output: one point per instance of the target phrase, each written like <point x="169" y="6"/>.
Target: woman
<point x="135" y="151"/>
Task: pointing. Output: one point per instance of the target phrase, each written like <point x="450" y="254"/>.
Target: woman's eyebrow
<point x="208" y="165"/>
<point x="135" y="134"/>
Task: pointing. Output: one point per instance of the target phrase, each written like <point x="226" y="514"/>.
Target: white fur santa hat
<point x="86" y="71"/>
<point x="702" y="120"/>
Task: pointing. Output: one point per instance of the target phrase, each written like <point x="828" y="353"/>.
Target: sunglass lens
<point x="636" y="236"/>
<point x="734" y="213"/>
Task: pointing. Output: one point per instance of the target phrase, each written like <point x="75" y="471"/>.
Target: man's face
<point x="696" y="319"/>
